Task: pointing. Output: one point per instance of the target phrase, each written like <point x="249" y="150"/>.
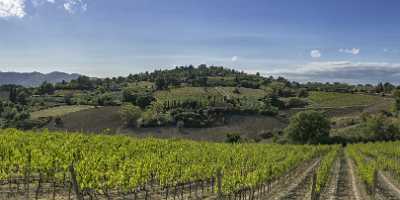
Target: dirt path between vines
<point x="296" y="186"/>
<point x="386" y="189"/>
<point x="352" y="184"/>
<point x="347" y="184"/>
<point x="332" y="188"/>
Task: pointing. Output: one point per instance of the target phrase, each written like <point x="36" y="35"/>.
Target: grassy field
<point x="58" y="111"/>
<point x="248" y="92"/>
<point x="333" y="99"/>
<point x="97" y="120"/>
<point x="94" y="120"/>
<point x="199" y="93"/>
<point x="142" y="85"/>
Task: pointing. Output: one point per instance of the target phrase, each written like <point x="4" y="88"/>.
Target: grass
<point x="202" y="93"/>
<point x="95" y="120"/>
<point x="58" y="111"/>
<point x="248" y="92"/>
<point x="142" y="85"/>
<point x="198" y="93"/>
<point x="334" y="99"/>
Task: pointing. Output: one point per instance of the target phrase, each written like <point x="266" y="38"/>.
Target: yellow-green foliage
<point x="380" y="155"/>
<point x="125" y="163"/>
<point x="365" y="168"/>
<point x="335" y="99"/>
<point x="325" y="166"/>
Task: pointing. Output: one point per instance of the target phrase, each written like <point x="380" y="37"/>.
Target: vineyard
<point x="50" y="165"/>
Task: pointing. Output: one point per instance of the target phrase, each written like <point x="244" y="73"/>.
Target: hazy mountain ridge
<point x="34" y="78"/>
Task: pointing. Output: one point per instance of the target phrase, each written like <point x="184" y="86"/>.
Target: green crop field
<point x="58" y="111"/>
<point x="334" y="99"/>
<point x="118" y="165"/>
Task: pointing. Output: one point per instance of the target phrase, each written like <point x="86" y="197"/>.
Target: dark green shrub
<point x="233" y="138"/>
<point x="130" y="114"/>
<point x="308" y="127"/>
<point x="296" y="103"/>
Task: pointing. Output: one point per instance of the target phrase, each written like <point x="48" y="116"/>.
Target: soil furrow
<point x="296" y="188"/>
<point x="386" y="189"/>
<point x="347" y="185"/>
<point x="332" y="190"/>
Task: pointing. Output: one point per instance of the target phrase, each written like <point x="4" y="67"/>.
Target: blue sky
<point x="117" y="37"/>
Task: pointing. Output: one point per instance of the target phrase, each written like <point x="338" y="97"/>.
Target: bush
<point x="308" y="127"/>
<point x="130" y="114"/>
<point x="269" y="111"/>
<point x="152" y="118"/>
<point x="59" y="122"/>
<point x="380" y="127"/>
<point x="295" y="103"/>
<point x="191" y="119"/>
<point x="273" y="100"/>
<point x="302" y="93"/>
<point x="233" y="138"/>
<point x="137" y="97"/>
<point x="236" y="90"/>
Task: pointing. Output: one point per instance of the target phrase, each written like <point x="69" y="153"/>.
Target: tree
<point x="273" y="100"/>
<point x="302" y="93"/>
<point x="46" y="88"/>
<point x="396" y="95"/>
<point x="380" y="127"/>
<point x="295" y="102"/>
<point x="82" y="83"/>
<point x="379" y="88"/>
<point x="233" y="138"/>
<point x="308" y="127"/>
<point x="143" y="100"/>
<point x="161" y="83"/>
<point x="388" y="87"/>
<point x="13" y="94"/>
<point x="59" y="122"/>
<point x="137" y="97"/>
<point x="130" y="114"/>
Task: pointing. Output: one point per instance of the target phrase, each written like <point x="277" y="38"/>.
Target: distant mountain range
<point x="34" y="78"/>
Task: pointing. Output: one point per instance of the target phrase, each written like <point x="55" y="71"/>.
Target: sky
<point x="352" y="41"/>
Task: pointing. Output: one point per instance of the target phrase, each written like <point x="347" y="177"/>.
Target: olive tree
<point x="308" y="127"/>
<point x="130" y="114"/>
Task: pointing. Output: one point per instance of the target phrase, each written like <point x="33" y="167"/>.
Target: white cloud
<point x="37" y="3"/>
<point x="17" y="8"/>
<point x="334" y="65"/>
<point x="344" y="71"/>
<point x="387" y="50"/>
<point x="354" y="51"/>
<point x="234" y="58"/>
<point x="12" y="8"/>
<point x="315" y="53"/>
<point x="72" y="6"/>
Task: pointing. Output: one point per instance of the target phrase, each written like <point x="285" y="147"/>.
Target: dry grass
<point x="58" y="111"/>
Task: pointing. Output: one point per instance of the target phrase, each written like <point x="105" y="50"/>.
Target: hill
<point x="31" y="79"/>
<point x="203" y="103"/>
